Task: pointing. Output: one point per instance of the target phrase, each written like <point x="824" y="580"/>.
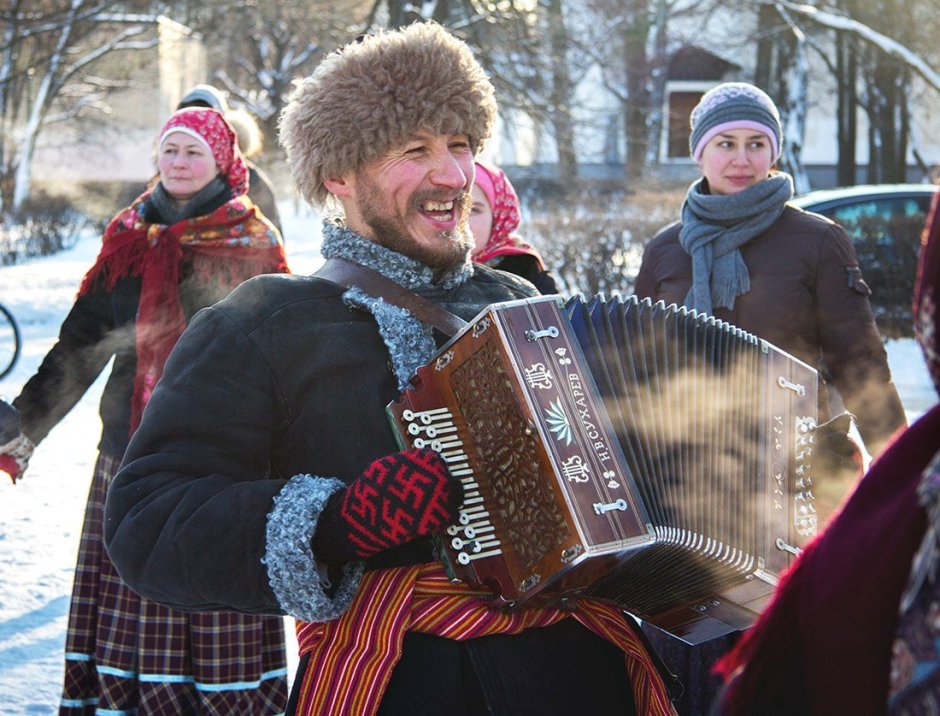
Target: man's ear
<point x="339" y="186"/>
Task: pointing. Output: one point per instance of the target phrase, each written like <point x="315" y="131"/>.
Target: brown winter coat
<point x="808" y="298"/>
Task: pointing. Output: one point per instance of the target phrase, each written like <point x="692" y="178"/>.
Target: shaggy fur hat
<point x="376" y="93"/>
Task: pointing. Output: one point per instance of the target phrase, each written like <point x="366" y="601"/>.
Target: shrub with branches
<point x="594" y="241"/>
<point x="43" y="225"/>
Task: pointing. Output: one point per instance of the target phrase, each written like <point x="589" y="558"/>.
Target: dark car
<point x="884" y="222"/>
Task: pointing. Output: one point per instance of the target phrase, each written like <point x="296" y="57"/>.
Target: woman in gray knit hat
<point x="744" y="254"/>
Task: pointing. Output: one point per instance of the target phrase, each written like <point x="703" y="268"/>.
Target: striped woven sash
<point x="352" y="658"/>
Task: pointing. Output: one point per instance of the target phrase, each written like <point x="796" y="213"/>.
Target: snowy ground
<point x="40" y="517"/>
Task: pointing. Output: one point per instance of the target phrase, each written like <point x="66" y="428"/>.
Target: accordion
<point x="619" y="449"/>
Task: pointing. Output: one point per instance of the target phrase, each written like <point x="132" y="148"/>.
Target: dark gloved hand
<point x="835" y="450"/>
<point x="15" y="447"/>
<point x="837" y="464"/>
<point x="398" y="498"/>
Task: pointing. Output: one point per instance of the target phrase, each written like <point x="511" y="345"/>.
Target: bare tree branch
<point x="885" y="44"/>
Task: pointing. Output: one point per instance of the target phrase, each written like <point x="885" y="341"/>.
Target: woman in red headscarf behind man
<point x="180" y="246"/>
<point x="494" y="221"/>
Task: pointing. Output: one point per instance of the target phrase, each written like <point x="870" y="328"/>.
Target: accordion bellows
<point x="625" y="450"/>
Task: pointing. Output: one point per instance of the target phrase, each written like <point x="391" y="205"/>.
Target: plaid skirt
<point x="128" y="655"/>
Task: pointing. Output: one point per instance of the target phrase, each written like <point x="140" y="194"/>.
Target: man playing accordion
<point x="264" y="477"/>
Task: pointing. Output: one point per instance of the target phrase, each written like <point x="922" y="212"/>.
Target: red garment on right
<point x="824" y="644"/>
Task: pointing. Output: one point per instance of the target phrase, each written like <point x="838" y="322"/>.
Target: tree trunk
<point x="7" y="112"/>
<point x="873" y="174"/>
<point x="767" y="19"/>
<point x="561" y="92"/>
<point x="904" y="124"/>
<point x="658" y="74"/>
<point x="23" y="178"/>
<point x="636" y="63"/>
<point x="24" y="169"/>
<point x="897" y="121"/>
<point x="888" y="86"/>
<point x="794" y="119"/>
<point x="847" y="109"/>
<point x="781" y="64"/>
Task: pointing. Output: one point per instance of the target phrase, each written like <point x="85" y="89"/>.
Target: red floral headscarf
<point x="503" y="241"/>
<point x="210" y="127"/>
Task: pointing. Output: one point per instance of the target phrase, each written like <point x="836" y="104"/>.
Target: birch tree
<point x="781" y="71"/>
<point x="45" y="49"/>
<point x="883" y="66"/>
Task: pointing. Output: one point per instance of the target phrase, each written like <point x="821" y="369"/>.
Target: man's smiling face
<point x="415" y="199"/>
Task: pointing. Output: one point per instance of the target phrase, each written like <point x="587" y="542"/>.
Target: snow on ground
<point x="40" y="518"/>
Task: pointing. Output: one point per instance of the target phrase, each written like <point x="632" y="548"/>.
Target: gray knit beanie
<point x="204" y="96"/>
<point x="376" y="93"/>
<point x="734" y="105"/>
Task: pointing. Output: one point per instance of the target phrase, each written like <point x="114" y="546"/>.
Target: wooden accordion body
<point x="619" y="449"/>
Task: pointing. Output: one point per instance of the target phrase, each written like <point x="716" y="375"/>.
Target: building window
<point x="680" y="105"/>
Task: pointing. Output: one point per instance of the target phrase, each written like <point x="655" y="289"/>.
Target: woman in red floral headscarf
<point x="854" y="627"/>
<point x="494" y="219"/>
<point x="179" y="247"/>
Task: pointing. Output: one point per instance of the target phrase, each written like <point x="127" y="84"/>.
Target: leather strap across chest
<point x="349" y="274"/>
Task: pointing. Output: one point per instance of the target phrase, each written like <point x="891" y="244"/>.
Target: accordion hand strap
<point x="349" y="274"/>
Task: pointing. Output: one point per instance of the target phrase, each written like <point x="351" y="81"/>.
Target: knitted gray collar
<point x="342" y="242"/>
<point x="410" y="342"/>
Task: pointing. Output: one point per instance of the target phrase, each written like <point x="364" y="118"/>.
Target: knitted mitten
<point x="398" y="498"/>
<point x="15" y="447"/>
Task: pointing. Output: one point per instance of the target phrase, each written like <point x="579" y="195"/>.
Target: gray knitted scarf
<point x="714" y="227"/>
<point x="171" y="213"/>
<point x="410" y="342"/>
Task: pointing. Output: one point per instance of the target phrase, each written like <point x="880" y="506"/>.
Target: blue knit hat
<point x="734" y="105"/>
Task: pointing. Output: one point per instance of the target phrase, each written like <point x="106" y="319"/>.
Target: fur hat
<point x="249" y="133"/>
<point x="734" y="105"/>
<point x="376" y="93"/>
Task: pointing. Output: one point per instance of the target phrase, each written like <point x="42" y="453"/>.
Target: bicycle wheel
<point x="10" y="342"/>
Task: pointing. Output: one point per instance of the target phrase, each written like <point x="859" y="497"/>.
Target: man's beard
<point x="391" y="231"/>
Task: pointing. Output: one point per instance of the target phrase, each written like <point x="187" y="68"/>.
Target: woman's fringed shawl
<point x="225" y="247"/>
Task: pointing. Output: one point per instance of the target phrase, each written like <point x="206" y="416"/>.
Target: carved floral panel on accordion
<point x="582" y="476"/>
<point x="508" y="407"/>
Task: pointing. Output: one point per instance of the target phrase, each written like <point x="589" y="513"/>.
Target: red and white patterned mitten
<point x="397" y="498"/>
<point x="14" y="456"/>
